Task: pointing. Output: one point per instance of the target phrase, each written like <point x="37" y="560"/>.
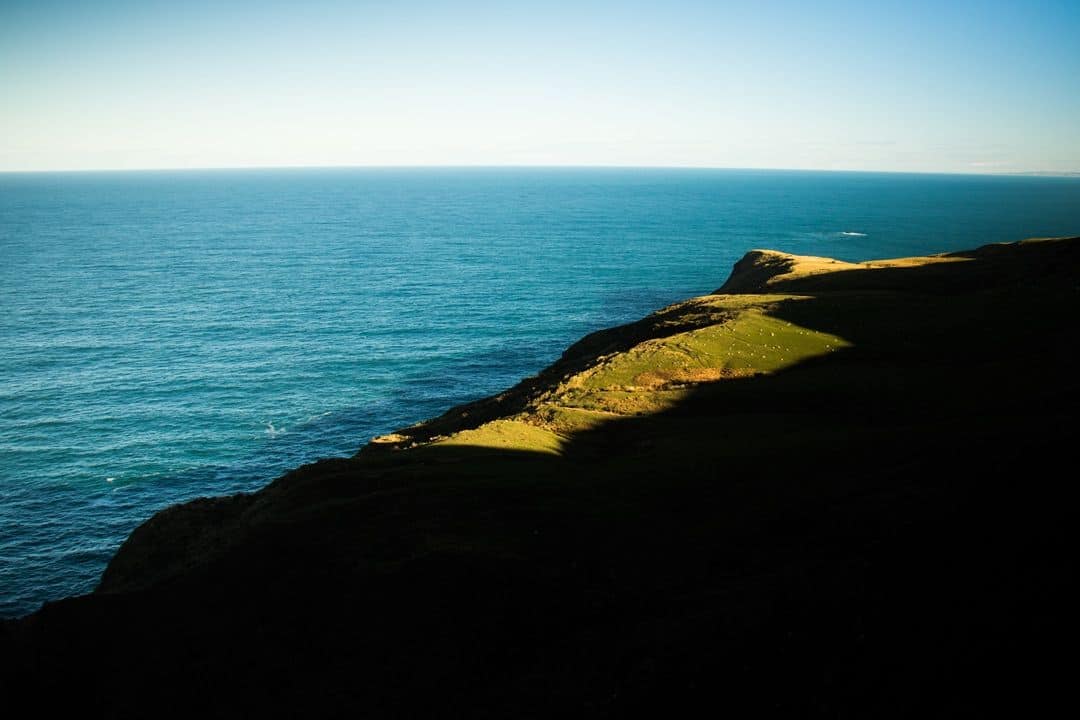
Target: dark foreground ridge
<point x="829" y="491"/>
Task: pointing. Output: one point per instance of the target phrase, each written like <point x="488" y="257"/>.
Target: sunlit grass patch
<point x="507" y="435"/>
<point x="750" y="343"/>
<point x="619" y="401"/>
<point x="566" y="420"/>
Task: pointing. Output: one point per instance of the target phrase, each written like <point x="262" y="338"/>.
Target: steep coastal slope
<point x="823" y="490"/>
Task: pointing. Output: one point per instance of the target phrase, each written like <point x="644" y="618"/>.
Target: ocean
<point x="174" y="334"/>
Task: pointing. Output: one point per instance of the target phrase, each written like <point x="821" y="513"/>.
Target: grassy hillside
<point x="825" y="490"/>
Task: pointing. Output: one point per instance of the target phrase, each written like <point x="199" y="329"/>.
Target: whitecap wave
<point x="851" y="233"/>
<point x="272" y="431"/>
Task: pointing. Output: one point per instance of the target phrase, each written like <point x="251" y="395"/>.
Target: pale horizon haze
<point x="958" y="87"/>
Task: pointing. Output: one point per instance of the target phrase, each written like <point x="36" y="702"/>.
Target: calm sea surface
<point x="166" y="335"/>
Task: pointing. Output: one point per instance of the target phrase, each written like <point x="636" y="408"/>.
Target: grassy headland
<point x="824" y="490"/>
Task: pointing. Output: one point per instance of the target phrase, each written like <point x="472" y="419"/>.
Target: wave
<point x="849" y="233"/>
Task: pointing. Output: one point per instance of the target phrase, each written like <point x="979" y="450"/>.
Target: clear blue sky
<point x="987" y="86"/>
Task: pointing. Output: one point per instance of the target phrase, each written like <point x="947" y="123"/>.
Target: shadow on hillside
<point x="876" y="532"/>
<point x="883" y="527"/>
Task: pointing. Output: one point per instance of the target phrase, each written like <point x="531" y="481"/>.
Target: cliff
<point x="826" y="489"/>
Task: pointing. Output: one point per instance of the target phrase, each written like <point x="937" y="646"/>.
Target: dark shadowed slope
<point x="833" y="499"/>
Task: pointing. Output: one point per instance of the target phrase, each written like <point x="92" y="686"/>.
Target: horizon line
<point x="508" y="166"/>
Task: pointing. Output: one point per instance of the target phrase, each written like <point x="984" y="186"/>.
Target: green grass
<point x="752" y="342"/>
<point x="730" y="337"/>
<point x="655" y="375"/>
<point x="507" y="435"/>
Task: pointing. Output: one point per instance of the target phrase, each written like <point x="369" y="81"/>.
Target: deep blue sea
<point x="167" y="335"/>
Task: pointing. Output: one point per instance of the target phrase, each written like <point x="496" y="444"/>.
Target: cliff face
<point x="822" y="490"/>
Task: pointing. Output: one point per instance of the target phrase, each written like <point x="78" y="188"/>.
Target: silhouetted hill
<point x="834" y="490"/>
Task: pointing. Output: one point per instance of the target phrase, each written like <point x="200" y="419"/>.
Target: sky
<point x="912" y="86"/>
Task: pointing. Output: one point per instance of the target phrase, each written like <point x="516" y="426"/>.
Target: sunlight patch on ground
<point x="507" y="435"/>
